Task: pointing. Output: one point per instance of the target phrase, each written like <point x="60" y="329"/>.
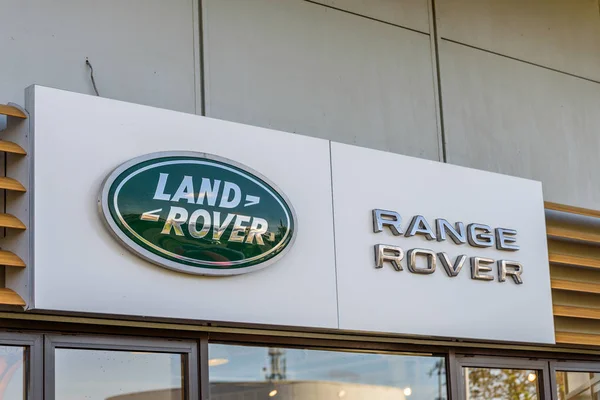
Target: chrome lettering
<point x="387" y="253"/>
<point x="176" y="217"/>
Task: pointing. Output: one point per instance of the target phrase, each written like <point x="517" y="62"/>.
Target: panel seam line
<point x="337" y="296"/>
<point x="522" y="61"/>
<point x="200" y="47"/>
<point x="438" y="81"/>
<point x="365" y="16"/>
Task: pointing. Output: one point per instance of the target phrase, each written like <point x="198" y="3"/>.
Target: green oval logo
<point x="197" y="213"/>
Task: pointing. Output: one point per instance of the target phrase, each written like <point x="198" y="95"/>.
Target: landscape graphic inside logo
<point x="197" y="213"/>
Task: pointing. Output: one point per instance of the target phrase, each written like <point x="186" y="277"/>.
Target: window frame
<point x="42" y="345"/>
<point x="33" y="364"/>
<point x="570" y="366"/>
<point x="320" y="345"/>
<point x="189" y="348"/>
<point x="458" y="362"/>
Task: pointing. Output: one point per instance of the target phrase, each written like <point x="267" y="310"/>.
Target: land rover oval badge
<point x="197" y="213"/>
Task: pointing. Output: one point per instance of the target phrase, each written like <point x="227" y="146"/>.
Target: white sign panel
<point x="133" y="205"/>
<point x="80" y="266"/>
<point x="425" y="248"/>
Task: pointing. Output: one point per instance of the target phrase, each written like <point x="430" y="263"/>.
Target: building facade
<point x="377" y="140"/>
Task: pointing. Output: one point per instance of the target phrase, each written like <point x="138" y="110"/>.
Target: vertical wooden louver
<point x="574" y="254"/>
<point x="8" y="221"/>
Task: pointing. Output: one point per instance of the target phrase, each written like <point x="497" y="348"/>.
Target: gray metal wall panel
<point x="301" y="67"/>
<point x="514" y="118"/>
<point x="560" y="34"/>
<point x="141" y="50"/>
<point x="412" y="14"/>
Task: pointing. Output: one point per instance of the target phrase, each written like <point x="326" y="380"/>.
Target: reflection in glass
<point x="117" y="375"/>
<point x="578" y="385"/>
<point x="244" y="372"/>
<point x="500" y="384"/>
<point x="12" y="372"/>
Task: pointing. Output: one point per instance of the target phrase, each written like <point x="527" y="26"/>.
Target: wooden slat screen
<point x="11" y="298"/>
<point x="8" y="259"/>
<point x="574" y="254"/>
<point x="12" y="111"/>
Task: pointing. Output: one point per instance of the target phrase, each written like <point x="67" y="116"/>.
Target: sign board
<point x="197" y="213"/>
<point x="81" y="267"/>
<point x="354" y="239"/>
<point x="471" y="250"/>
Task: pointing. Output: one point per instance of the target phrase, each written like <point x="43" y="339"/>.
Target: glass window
<point x="500" y="384"/>
<point x="243" y="372"/>
<point x="12" y="372"/>
<point x="118" y="375"/>
<point x="578" y="385"/>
